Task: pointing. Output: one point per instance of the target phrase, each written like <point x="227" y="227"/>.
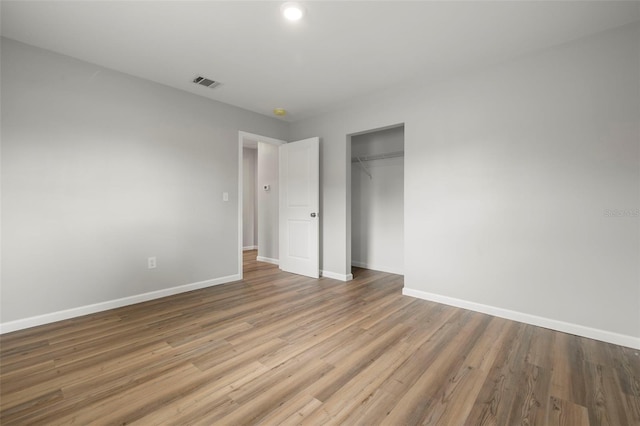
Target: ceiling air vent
<point x="206" y="82"/>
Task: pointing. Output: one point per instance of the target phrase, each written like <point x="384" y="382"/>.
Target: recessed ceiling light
<point x="292" y="11"/>
<point x="280" y="112"/>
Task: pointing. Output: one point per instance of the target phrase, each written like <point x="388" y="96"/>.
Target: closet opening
<point x="377" y="200"/>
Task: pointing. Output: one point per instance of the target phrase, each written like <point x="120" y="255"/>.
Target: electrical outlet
<point x="151" y="262"/>
<point x="225" y="196"/>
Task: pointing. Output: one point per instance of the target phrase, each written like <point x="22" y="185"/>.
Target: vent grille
<point x="206" y="82"/>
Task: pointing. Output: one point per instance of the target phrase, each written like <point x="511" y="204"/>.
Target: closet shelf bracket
<point x="364" y="168"/>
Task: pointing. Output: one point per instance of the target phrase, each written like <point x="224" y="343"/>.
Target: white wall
<point x="101" y="170"/>
<point x="249" y="198"/>
<point x="377" y="213"/>
<point x="268" y="201"/>
<point x="508" y="173"/>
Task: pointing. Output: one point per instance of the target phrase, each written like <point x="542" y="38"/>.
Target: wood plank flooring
<point x="278" y="348"/>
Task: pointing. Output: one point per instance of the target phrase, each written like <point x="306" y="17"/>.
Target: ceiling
<point x="340" y="51"/>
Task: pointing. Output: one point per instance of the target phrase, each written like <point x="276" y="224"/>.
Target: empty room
<point x="320" y="212"/>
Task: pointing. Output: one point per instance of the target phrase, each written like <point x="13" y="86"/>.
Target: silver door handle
<point x="313" y="214"/>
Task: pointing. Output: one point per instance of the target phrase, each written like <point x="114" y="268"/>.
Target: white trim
<point x="20" y="324"/>
<point x="249" y="248"/>
<point x="260" y="138"/>
<point x="336" y="276"/>
<point x="565" y="327"/>
<point x="377" y="267"/>
<point x="240" y="197"/>
<point x="268" y="260"/>
<point x="326" y="274"/>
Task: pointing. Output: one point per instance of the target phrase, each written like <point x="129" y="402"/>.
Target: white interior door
<point x="299" y="167"/>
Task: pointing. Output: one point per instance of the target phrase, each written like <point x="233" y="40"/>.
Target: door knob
<point x="313" y="215"/>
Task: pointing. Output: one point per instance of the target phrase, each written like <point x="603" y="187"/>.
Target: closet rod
<point x="378" y="156"/>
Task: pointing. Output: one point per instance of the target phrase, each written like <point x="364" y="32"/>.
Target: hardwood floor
<point x="277" y="348"/>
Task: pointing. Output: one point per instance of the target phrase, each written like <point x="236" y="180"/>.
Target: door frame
<point x="242" y="137"/>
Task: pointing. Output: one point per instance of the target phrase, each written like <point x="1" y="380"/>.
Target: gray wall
<point x="249" y="198"/>
<point x="511" y="175"/>
<point x="509" y="171"/>
<point x="101" y="170"/>
<point x="268" y="201"/>
<point x="377" y="202"/>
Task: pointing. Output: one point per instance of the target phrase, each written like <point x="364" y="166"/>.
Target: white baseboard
<point x="268" y="260"/>
<point x="249" y="248"/>
<point x="565" y="327"/>
<point x="390" y="270"/>
<point x="335" y="276"/>
<point x="327" y="274"/>
<point x="20" y="324"/>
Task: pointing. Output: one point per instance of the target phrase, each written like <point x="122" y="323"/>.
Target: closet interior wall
<point x="377" y="200"/>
